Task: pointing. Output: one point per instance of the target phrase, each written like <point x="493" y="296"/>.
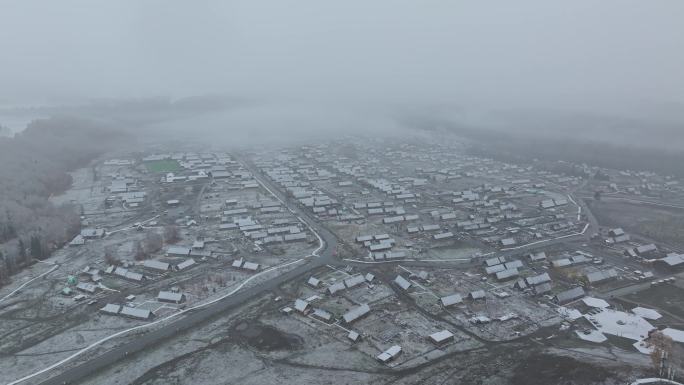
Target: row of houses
<point x="347" y="283"/>
<point x="141" y="313"/>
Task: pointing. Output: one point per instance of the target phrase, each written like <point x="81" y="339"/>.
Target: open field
<point x="667" y="297"/>
<point x="162" y="166"/>
<point x="660" y="224"/>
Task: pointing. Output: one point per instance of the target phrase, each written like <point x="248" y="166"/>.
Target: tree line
<point x="34" y="165"/>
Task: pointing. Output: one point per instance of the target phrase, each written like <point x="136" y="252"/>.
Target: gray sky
<point x="617" y="55"/>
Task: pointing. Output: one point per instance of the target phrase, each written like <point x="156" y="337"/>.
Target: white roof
<point x="294" y="237"/>
<point x="320" y="313"/>
<point x="157" y="265"/>
<point x="134" y="276"/>
<point x="617" y="231"/>
<point x="646" y="248"/>
<point x="620" y="324"/>
<point x="561" y="262"/>
<point x="537" y="279"/>
<point x="380" y="246"/>
<point x="513" y="264"/>
<point x="334" y="288"/>
<point x="356" y="313"/>
<point x="111" y="308"/>
<point x="508" y="273"/>
<point x="448" y="234"/>
<point x="300" y="305"/>
<point x="87" y="287"/>
<point x="676" y="334"/>
<point x="570" y="295"/>
<point x="508" y="241"/>
<point x="312" y="298"/>
<point x="568" y="313"/>
<point x="364" y="238"/>
<point x="673" y="260"/>
<point x="494" y="261"/>
<point x="598" y="276"/>
<point x="451" y="299"/>
<point x="538" y="256"/>
<point x="494" y="269"/>
<point x="595" y="302"/>
<point x="185" y="264"/>
<point x="355" y="280"/>
<point x="135" y="312"/>
<point x="78" y="240"/>
<point x="646" y="313"/>
<point x="402" y="282"/>
<point x="441" y="336"/>
<point x="170" y="296"/>
<point x="92" y="232"/>
<point x="543" y="288"/>
<point x="251" y="266"/>
<point x="593" y="336"/>
<point x="390" y="353"/>
<point x="178" y="250"/>
<point x="643" y="347"/>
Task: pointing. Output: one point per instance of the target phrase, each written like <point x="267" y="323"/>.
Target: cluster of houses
<point x="152" y="266"/>
<point x="245" y="218"/>
<point x="486" y="211"/>
<point x="140" y="313"/>
<point x="305" y="308"/>
<point x="380" y="247"/>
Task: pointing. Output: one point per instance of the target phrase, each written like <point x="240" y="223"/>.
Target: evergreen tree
<point x="4" y="271"/>
<point x="22" y="249"/>
<point x="36" y="247"/>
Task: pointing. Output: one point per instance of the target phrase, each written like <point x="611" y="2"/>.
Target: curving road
<point x="322" y="257"/>
<point x="325" y="255"/>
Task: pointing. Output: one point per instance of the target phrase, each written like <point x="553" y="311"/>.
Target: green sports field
<point x="166" y="165"/>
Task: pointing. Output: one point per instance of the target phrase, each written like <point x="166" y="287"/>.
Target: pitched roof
<point x="452" y="299"/>
<point x="301" y="306"/>
<point x="538" y="279"/>
<point x="136" y="312"/>
<point x="356" y="313"/>
<point x="570" y="295"/>
<point x="402" y="282"/>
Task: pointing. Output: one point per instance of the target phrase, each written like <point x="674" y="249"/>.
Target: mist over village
<point x="306" y="192"/>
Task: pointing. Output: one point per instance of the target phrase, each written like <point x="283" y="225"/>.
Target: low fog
<point x="605" y="70"/>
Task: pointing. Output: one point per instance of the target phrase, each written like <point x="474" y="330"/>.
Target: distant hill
<point x="598" y="141"/>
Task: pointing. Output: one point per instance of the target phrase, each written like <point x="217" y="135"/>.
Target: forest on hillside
<point x="35" y="164"/>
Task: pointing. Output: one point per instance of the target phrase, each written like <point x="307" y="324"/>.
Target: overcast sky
<point x="616" y="54"/>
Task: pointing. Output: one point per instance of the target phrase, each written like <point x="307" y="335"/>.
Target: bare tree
<point x="662" y="349"/>
<point x="171" y="234"/>
<point x="153" y="242"/>
<point x="52" y="148"/>
<point x="111" y="256"/>
<point x="4" y="270"/>
<point x="139" y="251"/>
